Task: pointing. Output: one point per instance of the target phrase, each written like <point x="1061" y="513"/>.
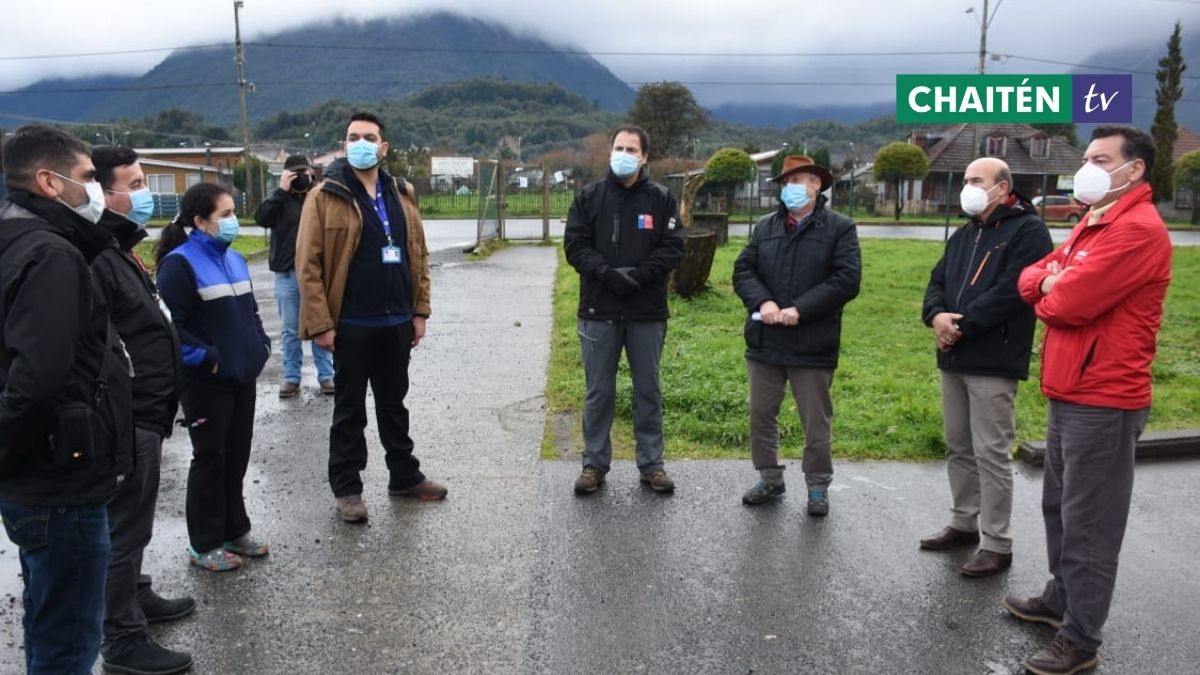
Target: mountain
<point x="78" y="95"/>
<point x="379" y="60"/>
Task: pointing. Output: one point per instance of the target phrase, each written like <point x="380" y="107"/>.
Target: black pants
<point x="378" y="356"/>
<point x="130" y="524"/>
<point x="222" y="426"/>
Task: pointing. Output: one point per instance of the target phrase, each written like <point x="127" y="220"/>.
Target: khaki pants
<point x="979" y="420"/>
<point x="810" y="388"/>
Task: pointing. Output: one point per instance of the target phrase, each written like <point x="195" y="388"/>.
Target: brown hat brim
<point x="815" y="169"/>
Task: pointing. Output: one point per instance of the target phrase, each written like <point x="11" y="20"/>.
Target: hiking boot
<point x="1031" y="609"/>
<point x="659" y="481"/>
<point x="986" y="564"/>
<point x="1060" y="656"/>
<point x="351" y="509"/>
<point x="818" y="502"/>
<point x="158" y="609"/>
<point x="216" y="560"/>
<point x="247" y="547"/>
<point x="949" y="538"/>
<point x="589" y="480"/>
<point x="141" y="655"/>
<point x="427" y="491"/>
<point x="327" y="388"/>
<point x="761" y="493"/>
<point x="289" y="389"/>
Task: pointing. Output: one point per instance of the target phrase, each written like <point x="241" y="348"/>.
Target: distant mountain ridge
<point x="295" y="69"/>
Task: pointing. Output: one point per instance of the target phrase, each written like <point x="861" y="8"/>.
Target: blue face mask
<point x="142" y="206"/>
<point x="362" y="154"/>
<point x="228" y="229"/>
<point x="794" y="196"/>
<point x="623" y="164"/>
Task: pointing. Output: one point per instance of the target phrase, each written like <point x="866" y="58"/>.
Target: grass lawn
<point x="246" y="244"/>
<point x="887" y="401"/>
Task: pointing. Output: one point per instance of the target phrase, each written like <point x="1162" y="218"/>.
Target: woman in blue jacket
<point x="206" y="286"/>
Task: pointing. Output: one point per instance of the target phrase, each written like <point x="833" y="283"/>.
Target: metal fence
<point x="489" y="212"/>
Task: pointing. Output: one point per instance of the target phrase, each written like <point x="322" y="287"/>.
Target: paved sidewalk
<point x="514" y="574"/>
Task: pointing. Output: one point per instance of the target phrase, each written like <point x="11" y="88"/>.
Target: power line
<point x="1089" y="65"/>
<point x="116" y="52"/>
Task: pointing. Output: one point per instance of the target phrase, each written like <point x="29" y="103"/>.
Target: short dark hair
<point x="643" y="137"/>
<point x="107" y="158"/>
<point x="199" y="200"/>
<point x="367" y="117"/>
<point x="1137" y="144"/>
<point x="39" y="146"/>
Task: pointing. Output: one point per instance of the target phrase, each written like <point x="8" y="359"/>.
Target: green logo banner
<point x="922" y="99"/>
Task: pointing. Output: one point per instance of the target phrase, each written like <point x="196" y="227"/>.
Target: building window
<point x="1040" y="147"/>
<point x="192" y="179"/>
<point x="161" y="183"/>
<point x="996" y="146"/>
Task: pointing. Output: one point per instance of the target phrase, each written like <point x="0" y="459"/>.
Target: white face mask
<point x="1092" y="183"/>
<point x="94" y="208"/>
<point x="975" y="199"/>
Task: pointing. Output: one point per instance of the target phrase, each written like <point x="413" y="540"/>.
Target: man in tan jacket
<point x="363" y="271"/>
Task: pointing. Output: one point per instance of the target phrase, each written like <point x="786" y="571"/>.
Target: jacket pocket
<point x="27" y="526"/>
<point x="74" y="441"/>
<point x="752" y="331"/>
<point x="1088" y="358"/>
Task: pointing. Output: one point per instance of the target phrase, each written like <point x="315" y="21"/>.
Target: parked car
<point x="1061" y="207"/>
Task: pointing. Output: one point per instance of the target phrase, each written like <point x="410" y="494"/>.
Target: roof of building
<point x="188" y="151"/>
<point x="1187" y="141"/>
<point x="950" y="149"/>
<point x="150" y="161"/>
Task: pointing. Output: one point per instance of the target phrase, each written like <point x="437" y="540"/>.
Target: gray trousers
<point x="602" y="342"/>
<point x="130" y="524"/>
<point x="810" y="389"/>
<point x="1086" y="492"/>
<point x="979" y="420"/>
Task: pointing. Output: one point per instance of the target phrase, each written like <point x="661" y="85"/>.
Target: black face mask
<point x="301" y="183"/>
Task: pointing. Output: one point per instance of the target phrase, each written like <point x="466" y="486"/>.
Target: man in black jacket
<point x="143" y="324"/>
<point x="984" y="335"/>
<point x="623" y="238"/>
<point x="65" y="420"/>
<point x="800" y="268"/>
<point x="280" y="213"/>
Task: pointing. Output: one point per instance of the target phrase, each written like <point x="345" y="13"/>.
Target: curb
<point x="1152" y="445"/>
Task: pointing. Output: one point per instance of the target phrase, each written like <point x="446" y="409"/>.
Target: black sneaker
<point x="818" y="502"/>
<point x="761" y="493"/>
<point x="141" y="655"/>
<point x="158" y="609"/>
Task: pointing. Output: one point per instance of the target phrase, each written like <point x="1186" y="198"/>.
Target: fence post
<point x="946" y="229"/>
<point x="500" y="199"/>
<point x="545" y="201"/>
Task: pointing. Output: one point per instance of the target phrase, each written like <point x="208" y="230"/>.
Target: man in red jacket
<point x="1101" y="297"/>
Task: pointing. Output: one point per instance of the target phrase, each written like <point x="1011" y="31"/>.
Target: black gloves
<point x="620" y="280"/>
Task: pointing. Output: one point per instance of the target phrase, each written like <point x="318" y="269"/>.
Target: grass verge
<point x="887" y="400"/>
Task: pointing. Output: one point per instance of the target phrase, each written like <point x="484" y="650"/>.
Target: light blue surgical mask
<point x="141" y="205"/>
<point x="362" y="154"/>
<point x="623" y="164"/>
<point x="794" y="196"/>
<point x="227" y="229"/>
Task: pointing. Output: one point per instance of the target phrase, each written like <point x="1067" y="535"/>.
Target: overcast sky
<point x="1065" y="30"/>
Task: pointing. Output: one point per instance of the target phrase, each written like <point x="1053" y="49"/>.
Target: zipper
<point x="970" y="264"/>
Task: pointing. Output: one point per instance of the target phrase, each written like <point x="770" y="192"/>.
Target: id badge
<point x="391" y="255"/>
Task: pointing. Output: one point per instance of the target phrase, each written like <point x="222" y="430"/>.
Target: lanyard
<point x="382" y="212"/>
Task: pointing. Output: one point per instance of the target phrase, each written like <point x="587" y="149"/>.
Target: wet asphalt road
<point x="514" y="574"/>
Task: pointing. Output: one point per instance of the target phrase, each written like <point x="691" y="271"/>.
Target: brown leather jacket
<point x="330" y="230"/>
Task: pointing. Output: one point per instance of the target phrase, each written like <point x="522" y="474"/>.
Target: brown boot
<point x="659" y="480"/>
<point x="949" y="538"/>
<point x="426" y="491"/>
<point x="1031" y="609"/>
<point x="289" y="389"/>
<point x="1060" y="656"/>
<point x="590" y="480"/>
<point x="352" y="509"/>
<point x="986" y="564"/>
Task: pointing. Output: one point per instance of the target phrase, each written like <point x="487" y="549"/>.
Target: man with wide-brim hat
<point x="799" y="269"/>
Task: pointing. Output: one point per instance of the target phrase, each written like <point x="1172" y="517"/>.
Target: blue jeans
<point x="287" y="294"/>
<point x="64" y="559"/>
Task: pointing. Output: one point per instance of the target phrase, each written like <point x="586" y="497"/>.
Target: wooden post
<point x="545" y="200"/>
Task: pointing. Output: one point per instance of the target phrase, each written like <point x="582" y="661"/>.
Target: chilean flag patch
<point x="645" y="221"/>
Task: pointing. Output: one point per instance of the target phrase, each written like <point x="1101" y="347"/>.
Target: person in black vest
<point x="66" y="421"/>
<point x="622" y="236"/>
<point x="141" y="320"/>
<point x="984" y="336"/>
<point x="280" y="213"/>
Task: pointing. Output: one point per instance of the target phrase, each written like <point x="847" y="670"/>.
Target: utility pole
<point x="984" y="22"/>
<point x="239" y="60"/>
